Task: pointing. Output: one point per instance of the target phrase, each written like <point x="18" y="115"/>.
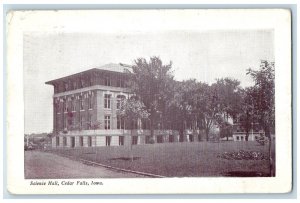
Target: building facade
<point x="85" y="109"/>
<point x="239" y="132"/>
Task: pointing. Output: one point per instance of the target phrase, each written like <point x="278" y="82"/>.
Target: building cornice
<point x="94" y="87"/>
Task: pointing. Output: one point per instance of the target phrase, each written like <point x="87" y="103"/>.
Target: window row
<point x="120" y="122"/>
<point x="77" y="84"/>
<point x="70" y="122"/>
<point x="107" y="101"/>
<point x="71" y="106"/>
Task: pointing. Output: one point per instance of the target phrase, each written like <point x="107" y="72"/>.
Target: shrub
<point x="262" y="140"/>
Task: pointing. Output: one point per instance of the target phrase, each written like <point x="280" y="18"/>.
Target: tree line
<point x="191" y="104"/>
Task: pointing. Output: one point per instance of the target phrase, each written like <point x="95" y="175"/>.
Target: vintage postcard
<point x="149" y="101"/>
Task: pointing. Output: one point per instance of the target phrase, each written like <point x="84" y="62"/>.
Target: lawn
<point x="196" y="159"/>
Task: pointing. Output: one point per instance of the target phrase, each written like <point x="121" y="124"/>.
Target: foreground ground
<point x="198" y="159"/>
<point x="40" y="164"/>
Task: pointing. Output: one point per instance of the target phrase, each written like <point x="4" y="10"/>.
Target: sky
<point x="204" y="56"/>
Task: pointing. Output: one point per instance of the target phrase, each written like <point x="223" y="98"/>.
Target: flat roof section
<point x="111" y="67"/>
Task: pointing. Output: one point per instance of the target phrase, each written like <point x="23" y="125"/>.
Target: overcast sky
<point x="201" y="55"/>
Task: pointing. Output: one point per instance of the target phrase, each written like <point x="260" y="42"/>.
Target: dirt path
<point x="46" y="165"/>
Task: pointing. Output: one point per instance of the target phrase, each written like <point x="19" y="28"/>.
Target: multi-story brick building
<point x="85" y="111"/>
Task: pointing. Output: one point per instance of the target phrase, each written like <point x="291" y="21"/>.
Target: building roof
<point x="111" y="67"/>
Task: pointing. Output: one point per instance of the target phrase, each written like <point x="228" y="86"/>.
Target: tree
<point x="152" y="84"/>
<point x="206" y="105"/>
<point x="264" y="100"/>
<point x="247" y="117"/>
<point x="229" y="94"/>
<point x="132" y="110"/>
<point x="225" y="129"/>
<point x="199" y="104"/>
<point x="263" y="94"/>
<point x="182" y="104"/>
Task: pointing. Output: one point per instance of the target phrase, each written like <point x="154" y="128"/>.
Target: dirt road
<point x="46" y="165"/>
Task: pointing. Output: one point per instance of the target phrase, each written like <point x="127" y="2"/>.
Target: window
<point x="73" y="105"/>
<point x="70" y="121"/>
<point x="57" y="141"/>
<point x="120" y="122"/>
<point x="147" y="141"/>
<point x="159" y="139"/>
<point x="181" y="138"/>
<point x="120" y="82"/>
<point x="81" y="101"/>
<point x="107" y="122"/>
<point x="66" y="86"/>
<point x="65" y="106"/>
<point x="134" y="140"/>
<point x="199" y="137"/>
<point x="134" y="124"/>
<point x="171" y="138"/>
<point x="237" y="138"/>
<point x="90" y="102"/>
<point x="107" y="140"/>
<point x="120" y="98"/>
<point x="65" y="141"/>
<point x="191" y="138"/>
<point x="107" y="81"/>
<point x="81" y="121"/>
<point x="144" y="124"/>
<point x="107" y="101"/>
<point x="89" y="121"/>
<point x="65" y="122"/>
<point x="81" y="83"/>
<point x="81" y="141"/>
<point x="89" y="141"/>
<point x="72" y="142"/>
<point x="242" y="138"/>
<point x="121" y="140"/>
<point x="74" y="85"/>
<point x="57" y="107"/>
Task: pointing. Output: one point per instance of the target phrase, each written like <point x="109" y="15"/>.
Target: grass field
<point x="197" y="159"/>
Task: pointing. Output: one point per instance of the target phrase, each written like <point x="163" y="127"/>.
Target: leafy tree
<point x="247" y="113"/>
<point x="182" y="103"/>
<point x="152" y="84"/>
<point x="264" y="100"/>
<point x="263" y="94"/>
<point x="229" y="94"/>
<point x="225" y="129"/>
<point x="206" y="105"/>
<point x="198" y="103"/>
<point x="132" y="110"/>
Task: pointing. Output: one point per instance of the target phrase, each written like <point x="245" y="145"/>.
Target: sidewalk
<point x="39" y="164"/>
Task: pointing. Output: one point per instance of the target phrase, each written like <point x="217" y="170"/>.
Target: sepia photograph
<point x="205" y="108"/>
<point x="140" y="104"/>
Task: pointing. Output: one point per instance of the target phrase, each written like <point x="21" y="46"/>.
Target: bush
<point x="262" y="140"/>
